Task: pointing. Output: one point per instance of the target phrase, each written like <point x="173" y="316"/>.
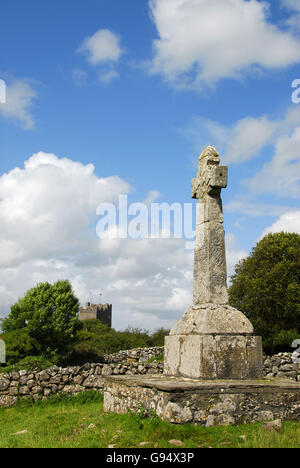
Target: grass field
<point x="73" y="422"/>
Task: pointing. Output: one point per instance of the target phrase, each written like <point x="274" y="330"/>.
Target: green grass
<point x="63" y="422"/>
<point x="159" y="358"/>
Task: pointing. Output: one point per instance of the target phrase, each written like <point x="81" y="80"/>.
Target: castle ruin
<point x="102" y="312"/>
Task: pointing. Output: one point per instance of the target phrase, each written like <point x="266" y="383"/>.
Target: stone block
<point x="212" y="319"/>
<point x="213" y="357"/>
<point x="172" y="354"/>
<point x="208" y="403"/>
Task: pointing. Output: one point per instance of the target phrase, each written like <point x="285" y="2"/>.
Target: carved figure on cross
<point x="211" y="177"/>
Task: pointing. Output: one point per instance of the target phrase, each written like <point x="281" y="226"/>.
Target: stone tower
<point x="212" y="340"/>
<point x="102" y="312"/>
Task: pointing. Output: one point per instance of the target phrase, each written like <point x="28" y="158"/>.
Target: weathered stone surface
<point x="24" y="390"/>
<point x="212" y="340"/>
<point x="75" y="379"/>
<point x="213" y="357"/>
<point x="210" y="261"/>
<point x="4" y="384"/>
<point x="93" y="382"/>
<point x="7" y="400"/>
<point x="212" y="319"/>
<point x="203" y="402"/>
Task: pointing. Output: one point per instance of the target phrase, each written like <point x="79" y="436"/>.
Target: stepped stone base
<point x="206" y="403"/>
<point x="213" y="341"/>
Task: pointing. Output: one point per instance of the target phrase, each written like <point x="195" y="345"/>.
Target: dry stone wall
<point x="69" y="380"/>
<point x="138" y="354"/>
<point x="90" y="376"/>
<point x="281" y="366"/>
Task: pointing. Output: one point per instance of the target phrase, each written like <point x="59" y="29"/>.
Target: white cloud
<point x="281" y="175"/>
<point x="248" y="137"/>
<point x="288" y="222"/>
<point x="19" y="101"/>
<point x="238" y="143"/>
<point x="291" y="4"/>
<point x="108" y="76"/>
<point x="245" y="140"/>
<point x="47" y="217"/>
<point x="203" y="41"/>
<point x="46" y="208"/>
<point x="103" y="46"/>
<point x="247" y="207"/>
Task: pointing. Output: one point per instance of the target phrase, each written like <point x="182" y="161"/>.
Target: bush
<point x="95" y="340"/>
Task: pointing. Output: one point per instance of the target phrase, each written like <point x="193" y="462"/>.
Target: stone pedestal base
<point x="213" y="357"/>
<point x="213" y="341"/>
<point x="206" y="403"/>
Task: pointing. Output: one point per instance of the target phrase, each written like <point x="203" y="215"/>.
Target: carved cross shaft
<point x="209" y="257"/>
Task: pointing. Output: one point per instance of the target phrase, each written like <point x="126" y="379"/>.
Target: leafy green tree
<point x="96" y="339"/>
<point x="49" y="315"/>
<point x="19" y="344"/>
<point x="266" y="287"/>
<point x="158" y="337"/>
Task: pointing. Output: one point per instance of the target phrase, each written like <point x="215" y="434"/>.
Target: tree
<point x="49" y="315"/>
<point x="158" y="337"/>
<point x="266" y="287"/>
<point x="19" y="345"/>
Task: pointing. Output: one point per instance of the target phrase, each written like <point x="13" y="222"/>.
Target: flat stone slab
<point x="180" y="384"/>
<point x="203" y="402"/>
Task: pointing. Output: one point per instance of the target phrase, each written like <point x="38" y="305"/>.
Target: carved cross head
<point x="211" y="177"/>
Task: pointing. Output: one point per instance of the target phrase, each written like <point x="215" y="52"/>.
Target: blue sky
<point x="138" y="89"/>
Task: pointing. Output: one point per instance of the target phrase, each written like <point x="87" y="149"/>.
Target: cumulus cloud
<point x="203" y="41"/>
<point x="238" y="143"/>
<point x="103" y="46"/>
<point x="291" y="4"/>
<point x="102" y="49"/>
<point x="244" y="205"/>
<point x="287" y="222"/>
<point x="280" y="176"/>
<point x="19" y="101"/>
<point x="108" y="76"/>
<point x="247" y="139"/>
<point x="48" y="219"/>
<point x="48" y="232"/>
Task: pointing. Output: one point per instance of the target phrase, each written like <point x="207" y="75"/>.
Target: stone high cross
<point x="212" y="340"/>
<point x="209" y="257"/>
